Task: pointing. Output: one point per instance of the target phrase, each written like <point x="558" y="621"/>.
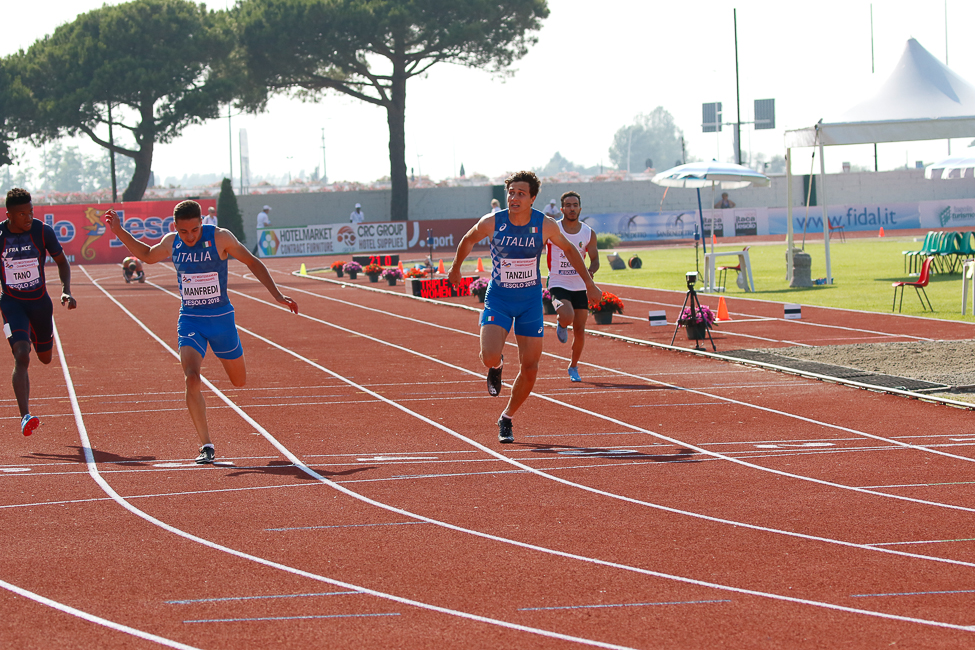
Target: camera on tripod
<point x="691" y="279"/>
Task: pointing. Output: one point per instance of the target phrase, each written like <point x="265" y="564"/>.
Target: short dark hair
<point x="534" y="185"/>
<point x="187" y="210"/>
<point x="568" y="194"/>
<point x="17" y="196"/>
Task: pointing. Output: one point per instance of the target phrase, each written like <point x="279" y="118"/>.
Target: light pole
<point x="629" y="141"/>
<point x="324" y="175"/>
<point x="289" y="168"/>
<point x="419" y="172"/>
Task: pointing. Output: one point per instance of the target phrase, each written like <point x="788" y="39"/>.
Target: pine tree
<point x="228" y="214"/>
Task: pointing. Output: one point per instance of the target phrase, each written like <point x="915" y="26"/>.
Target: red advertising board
<point x="85" y="238"/>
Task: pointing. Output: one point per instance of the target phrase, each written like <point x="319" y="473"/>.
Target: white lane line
<point x="96" y="476"/>
<point x="118" y="627"/>
<point x="628" y="425"/>
<point x="284" y="450"/>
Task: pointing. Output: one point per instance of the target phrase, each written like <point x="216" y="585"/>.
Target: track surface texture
<point x="361" y="499"/>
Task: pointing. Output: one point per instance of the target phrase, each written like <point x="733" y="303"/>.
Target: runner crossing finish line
<point x="514" y="295"/>
<point x="206" y="317"/>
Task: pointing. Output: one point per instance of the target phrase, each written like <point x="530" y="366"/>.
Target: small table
<point x="743" y="262"/>
<point x="967" y="271"/>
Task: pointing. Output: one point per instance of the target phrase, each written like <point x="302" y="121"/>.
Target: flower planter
<point x="374" y="277"/>
<point x="339" y="273"/>
<point x="696" y="331"/>
<point x="603" y="317"/>
<point x="353" y="275"/>
<point x="548" y="307"/>
<point x="480" y="296"/>
<point x="391" y="281"/>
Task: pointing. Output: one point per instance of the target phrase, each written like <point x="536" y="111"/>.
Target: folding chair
<point x="839" y="229"/>
<point x="922" y="282"/>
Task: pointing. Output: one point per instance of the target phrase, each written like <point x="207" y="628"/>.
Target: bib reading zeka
<point x="200" y="289"/>
<point x="518" y="273"/>
<point x="21" y="274"/>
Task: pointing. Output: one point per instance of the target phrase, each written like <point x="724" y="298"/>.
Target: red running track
<point x="667" y="501"/>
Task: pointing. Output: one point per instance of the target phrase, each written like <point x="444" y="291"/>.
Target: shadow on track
<point x="287" y="469"/>
<point x="682" y="455"/>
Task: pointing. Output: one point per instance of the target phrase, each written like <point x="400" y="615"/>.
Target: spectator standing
<point x="551" y="210"/>
<point x="210" y="219"/>
<point x="357" y="215"/>
<point x="263" y="221"/>
<point x="725" y="202"/>
<point x="495" y="205"/>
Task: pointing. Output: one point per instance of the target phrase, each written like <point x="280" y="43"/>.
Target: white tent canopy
<point x="960" y="163"/>
<point x="921" y="100"/>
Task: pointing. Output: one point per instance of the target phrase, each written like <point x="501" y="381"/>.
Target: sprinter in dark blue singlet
<point x="514" y="297"/>
<point x="206" y="317"/>
<point x="28" y="313"/>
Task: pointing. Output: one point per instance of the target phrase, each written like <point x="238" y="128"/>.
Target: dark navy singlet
<point x="514" y="254"/>
<point x="202" y="276"/>
<point x="23" y="256"/>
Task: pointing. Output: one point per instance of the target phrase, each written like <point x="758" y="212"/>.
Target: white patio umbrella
<point x="727" y="176"/>
<point x="960" y="163"/>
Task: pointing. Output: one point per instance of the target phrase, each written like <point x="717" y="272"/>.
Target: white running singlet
<point x="562" y="274"/>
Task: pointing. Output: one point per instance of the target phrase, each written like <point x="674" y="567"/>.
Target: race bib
<point x="519" y="273"/>
<point x="565" y="267"/>
<point x="21" y="274"/>
<point x="200" y="288"/>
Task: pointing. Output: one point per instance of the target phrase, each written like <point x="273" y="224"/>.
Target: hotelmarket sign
<point x="327" y="239"/>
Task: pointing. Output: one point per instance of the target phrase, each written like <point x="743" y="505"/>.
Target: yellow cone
<point x="302" y="270"/>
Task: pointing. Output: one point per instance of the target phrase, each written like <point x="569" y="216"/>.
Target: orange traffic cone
<point x="723" y="310"/>
<point x="440" y="268"/>
<point x="400" y="266"/>
<point x="881" y="231"/>
<point x="712" y="240"/>
<point x="480" y="265"/>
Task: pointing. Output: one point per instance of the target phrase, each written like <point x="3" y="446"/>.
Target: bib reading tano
<point x="200" y="288"/>
<point x="21" y="274"/>
<point x="518" y="272"/>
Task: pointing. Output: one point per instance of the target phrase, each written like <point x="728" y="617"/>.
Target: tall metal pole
<point x="230" y="147"/>
<point x="876" y="164"/>
<point x="111" y="152"/>
<point x="946" y="56"/>
<point x="737" y="95"/>
<point x="324" y="175"/>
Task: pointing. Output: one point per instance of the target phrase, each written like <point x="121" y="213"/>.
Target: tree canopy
<point x="160" y="65"/>
<point x="14" y="100"/>
<point x="368" y="49"/>
<point x="653" y="137"/>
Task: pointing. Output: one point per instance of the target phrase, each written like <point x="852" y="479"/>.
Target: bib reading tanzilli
<point x="518" y="273"/>
<point x="200" y="289"/>
<point x="21" y="274"/>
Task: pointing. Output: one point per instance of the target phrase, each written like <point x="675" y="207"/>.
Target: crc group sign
<point x="82" y="232"/>
<point x="327" y="239"/>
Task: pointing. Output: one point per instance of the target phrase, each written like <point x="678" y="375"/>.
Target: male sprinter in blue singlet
<point x="206" y="316"/>
<point x="27" y="309"/>
<point x="518" y="236"/>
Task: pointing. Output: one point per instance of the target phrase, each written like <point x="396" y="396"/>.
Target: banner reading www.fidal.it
<point x="82" y="232"/>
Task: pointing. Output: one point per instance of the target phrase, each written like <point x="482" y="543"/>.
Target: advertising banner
<point x="366" y="237"/>
<point x="85" y="238"/>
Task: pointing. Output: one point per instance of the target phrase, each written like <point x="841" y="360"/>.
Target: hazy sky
<point x="596" y="66"/>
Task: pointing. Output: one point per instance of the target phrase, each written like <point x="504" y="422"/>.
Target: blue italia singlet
<point x="514" y="255"/>
<point x="202" y="276"/>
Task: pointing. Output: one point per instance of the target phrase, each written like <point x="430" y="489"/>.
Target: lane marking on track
<point x="220" y="463"/>
<point x="396" y="458"/>
<point x="916" y="593"/>
<point x="925" y="541"/>
<point x="290" y="618"/>
<point x="657" y="382"/>
<point x="677" y="602"/>
<point x="394" y="523"/>
<point x="271" y="596"/>
<point x="609" y="418"/>
<point x="13" y="470"/>
<point x="108" y="489"/>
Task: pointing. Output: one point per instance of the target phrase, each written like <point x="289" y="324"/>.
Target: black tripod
<point x="691" y="302"/>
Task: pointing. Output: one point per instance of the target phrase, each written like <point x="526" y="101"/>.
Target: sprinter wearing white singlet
<point x="568" y="289"/>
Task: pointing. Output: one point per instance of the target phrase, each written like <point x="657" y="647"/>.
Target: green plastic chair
<point x="911" y="258"/>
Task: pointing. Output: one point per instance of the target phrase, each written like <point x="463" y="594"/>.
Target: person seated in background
<point x="132" y="270"/>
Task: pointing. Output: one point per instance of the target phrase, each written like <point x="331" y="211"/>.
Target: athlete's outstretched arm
<point x="227" y="242"/>
<point x="148" y="254"/>
<point x="64" y="273"/>
<point x="483" y="228"/>
<point x="550" y="230"/>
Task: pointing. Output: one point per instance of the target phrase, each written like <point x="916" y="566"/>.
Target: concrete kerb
<point x="664" y="346"/>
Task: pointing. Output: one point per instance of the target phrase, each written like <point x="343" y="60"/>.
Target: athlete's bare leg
<point x="578" y="335"/>
<point x="21" y="381"/>
<point x="236" y="370"/>
<point x="529" y="352"/>
<point x="492" y="344"/>
<point x="192" y="363"/>
<point x="566" y="314"/>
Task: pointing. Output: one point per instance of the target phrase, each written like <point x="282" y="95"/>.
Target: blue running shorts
<point x="28" y="320"/>
<point x="219" y="331"/>
<point x="500" y="309"/>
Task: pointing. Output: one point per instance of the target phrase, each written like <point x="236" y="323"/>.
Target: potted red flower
<point x="337" y="267"/>
<point x="602" y="310"/>
<point x="373" y="271"/>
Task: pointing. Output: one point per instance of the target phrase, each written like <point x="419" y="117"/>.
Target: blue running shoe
<point x="562" y="333"/>
<point x="574" y="374"/>
<point x="28" y="423"/>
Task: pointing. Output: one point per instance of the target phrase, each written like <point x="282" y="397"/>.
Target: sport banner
<point x="86" y="239"/>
